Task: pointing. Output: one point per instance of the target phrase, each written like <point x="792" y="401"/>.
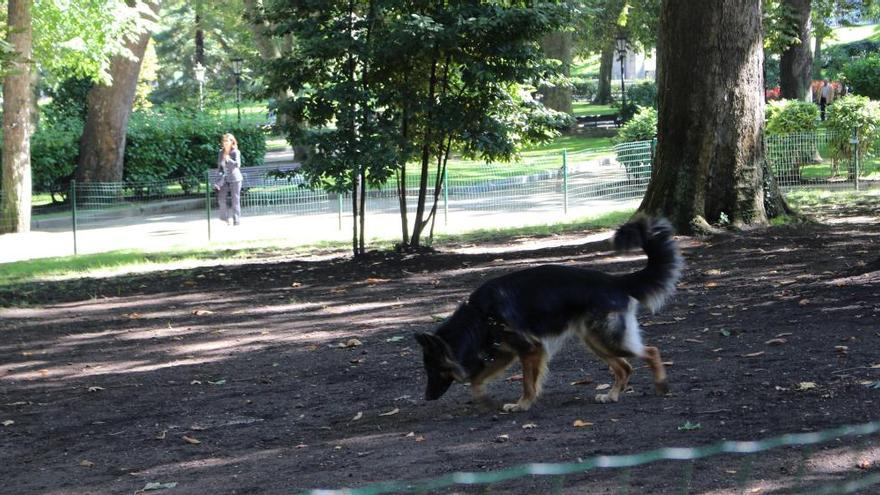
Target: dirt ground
<point x="281" y="376"/>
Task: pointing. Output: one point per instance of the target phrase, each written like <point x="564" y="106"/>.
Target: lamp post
<point x="622" y="44"/>
<point x="236" y="69"/>
<point x="199" y="71"/>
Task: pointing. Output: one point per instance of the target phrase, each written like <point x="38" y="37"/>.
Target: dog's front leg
<point x="534" y="365"/>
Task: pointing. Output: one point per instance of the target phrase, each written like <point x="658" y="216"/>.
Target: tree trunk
<point x="109" y="107"/>
<point x="603" y="95"/>
<point x="710" y="154"/>
<point x="269" y="50"/>
<point x="15" y="209"/>
<point x="796" y="62"/>
<point x="558" y="46"/>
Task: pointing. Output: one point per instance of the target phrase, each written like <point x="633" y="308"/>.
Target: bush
<point x="643" y="94"/>
<point x="853" y="113"/>
<point x="174" y="144"/>
<point x="54" y="153"/>
<point x="787" y="116"/>
<point x="642" y="127"/>
<point x="863" y="76"/>
<point x="585" y="89"/>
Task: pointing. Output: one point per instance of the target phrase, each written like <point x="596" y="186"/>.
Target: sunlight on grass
<point x="276" y="143"/>
<point x="127" y="261"/>
<point x="586" y="66"/>
<point x="849" y="34"/>
<point x="811" y="198"/>
<point x="586" y="108"/>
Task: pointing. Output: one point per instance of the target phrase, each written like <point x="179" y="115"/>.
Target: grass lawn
<point x="585" y="108"/>
<point x="849" y="34"/>
<point x="585" y="66"/>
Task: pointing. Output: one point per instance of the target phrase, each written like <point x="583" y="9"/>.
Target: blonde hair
<point x="229" y="135"/>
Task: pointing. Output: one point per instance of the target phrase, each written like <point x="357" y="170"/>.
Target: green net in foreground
<point x="861" y="433"/>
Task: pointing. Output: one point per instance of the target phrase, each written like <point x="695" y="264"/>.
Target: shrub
<point x="585" y="89"/>
<point x="787" y="116"/>
<point x="848" y="114"/>
<point x="643" y="94"/>
<point x="642" y="127"/>
<point x="54" y="153"/>
<point x="863" y="76"/>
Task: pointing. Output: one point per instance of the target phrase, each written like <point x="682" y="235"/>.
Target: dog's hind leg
<point x="534" y="364"/>
<point x="651" y="356"/>
<point x="621" y="369"/>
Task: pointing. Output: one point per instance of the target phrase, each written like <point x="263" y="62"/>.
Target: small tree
<point x="789" y="116"/>
<point x="380" y="85"/>
<point x="852" y="116"/>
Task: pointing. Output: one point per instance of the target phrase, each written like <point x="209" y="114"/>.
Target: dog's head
<point x="441" y="367"/>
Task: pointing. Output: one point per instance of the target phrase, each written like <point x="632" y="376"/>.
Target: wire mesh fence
<point x="538" y="189"/>
<point x="802" y="469"/>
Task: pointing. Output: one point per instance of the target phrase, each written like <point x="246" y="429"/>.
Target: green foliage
<point x="585" y="88"/>
<point x="642" y="127"/>
<point x="863" y="76"/>
<point x="68" y="100"/>
<point x="835" y="58"/>
<point x="643" y="94"/>
<point x="853" y="114"/>
<point x="54" y="153"/>
<point x="172" y="144"/>
<point x="788" y="116"/>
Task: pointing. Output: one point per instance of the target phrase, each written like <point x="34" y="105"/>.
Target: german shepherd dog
<point x="529" y="314"/>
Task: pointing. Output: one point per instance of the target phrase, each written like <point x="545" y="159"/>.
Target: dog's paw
<point x="605" y="398"/>
<point x="518" y="407"/>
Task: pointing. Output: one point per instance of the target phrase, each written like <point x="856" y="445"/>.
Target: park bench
<point x="598" y="120"/>
<point x="256" y="175"/>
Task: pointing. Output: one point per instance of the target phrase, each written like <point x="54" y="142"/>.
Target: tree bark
<point x="710" y="153"/>
<point x="109" y="107"/>
<point x="796" y="62"/>
<point x="15" y="210"/>
<point x="558" y="46"/>
<point x="606" y="61"/>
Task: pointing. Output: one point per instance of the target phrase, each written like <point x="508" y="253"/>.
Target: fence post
<point x="208" y="188"/>
<point x="565" y="181"/>
<point x="855" y="142"/>
<point x="73" y="212"/>
<point x="445" y="195"/>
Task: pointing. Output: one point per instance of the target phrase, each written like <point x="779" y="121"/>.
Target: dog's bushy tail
<point x="653" y="284"/>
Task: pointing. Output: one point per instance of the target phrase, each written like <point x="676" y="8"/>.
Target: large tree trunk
<point x="817" y="56"/>
<point x="109" y="107"/>
<point x="710" y="154"/>
<point x="558" y="46"/>
<point x="796" y="62"/>
<point x="603" y="94"/>
<point x="15" y="209"/>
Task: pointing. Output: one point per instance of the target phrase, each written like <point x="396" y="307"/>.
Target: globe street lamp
<point x="199" y="71"/>
<point x="622" y="45"/>
<point x="236" y="69"/>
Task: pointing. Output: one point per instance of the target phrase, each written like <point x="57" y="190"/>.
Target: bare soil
<point x="281" y="376"/>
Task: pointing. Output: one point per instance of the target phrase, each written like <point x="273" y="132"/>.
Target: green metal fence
<point x="860" y="439"/>
<point x="541" y="189"/>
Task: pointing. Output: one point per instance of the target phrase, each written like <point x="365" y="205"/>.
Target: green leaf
<point x="724" y="332"/>
<point x="159" y="486"/>
<point x="396" y="338"/>
<point x="687" y="426"/>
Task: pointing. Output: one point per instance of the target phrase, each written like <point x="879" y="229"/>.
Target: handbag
<point x="219" y="181"/>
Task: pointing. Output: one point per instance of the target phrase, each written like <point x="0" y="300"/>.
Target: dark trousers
<point x="822" y="104"/>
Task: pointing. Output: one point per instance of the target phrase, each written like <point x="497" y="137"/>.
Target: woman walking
<point x="229" y="163"/>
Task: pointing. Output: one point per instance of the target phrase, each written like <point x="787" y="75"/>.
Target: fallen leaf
<point x="358" y="416"/>
<point x="161" y="435"/>
<point x="603" y="386"/>
<point x="133" y="316"/>
<point x="396" y="338"/>
<point x="191" y="440"/>
<point x="420" y="438"/>
<point x="8" y="422"/>
<point x="158" y="486"/>
<point x="806" y="385"/>
<point x="779" y="341"/>
<point x="694" y="341"/>
<point x="296" y="284"/>
<point x="529" y="426"/>
<point x="865" y="463"/>
<point x="356" y="361"/>
<point x="514" y="378"/>
<point x="301" y="446"/>
<point x="579" y="423"/>
<point x="687" y="426"/>
<point x="86" y="463"/>
<point x="582" y="381"/>
<point x="218" y="382"/>
<point x="95" y="389"/>
<point x="195" y="382"/>
<point x="350" y="343"/>
<point x="502" y="438"/>
<point x="753" y="354"/>
<point x="410" y="434"/>
<point x="377" y="280"/>
<point x="202" y="312"/>
<point x="803" y="302"/>
<point x="875" y="366"/>
<point x="391" y="412"/>
<point x="785" y="334"/>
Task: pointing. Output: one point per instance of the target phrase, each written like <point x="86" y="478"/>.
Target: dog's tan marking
<point x="621" y="369"/>
<point x="493" y="369"/>
<point x="534" y="364"/>
<point x="652" y="357"/>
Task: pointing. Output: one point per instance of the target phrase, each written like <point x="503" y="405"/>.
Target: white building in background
<point x="638" y="65"/>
